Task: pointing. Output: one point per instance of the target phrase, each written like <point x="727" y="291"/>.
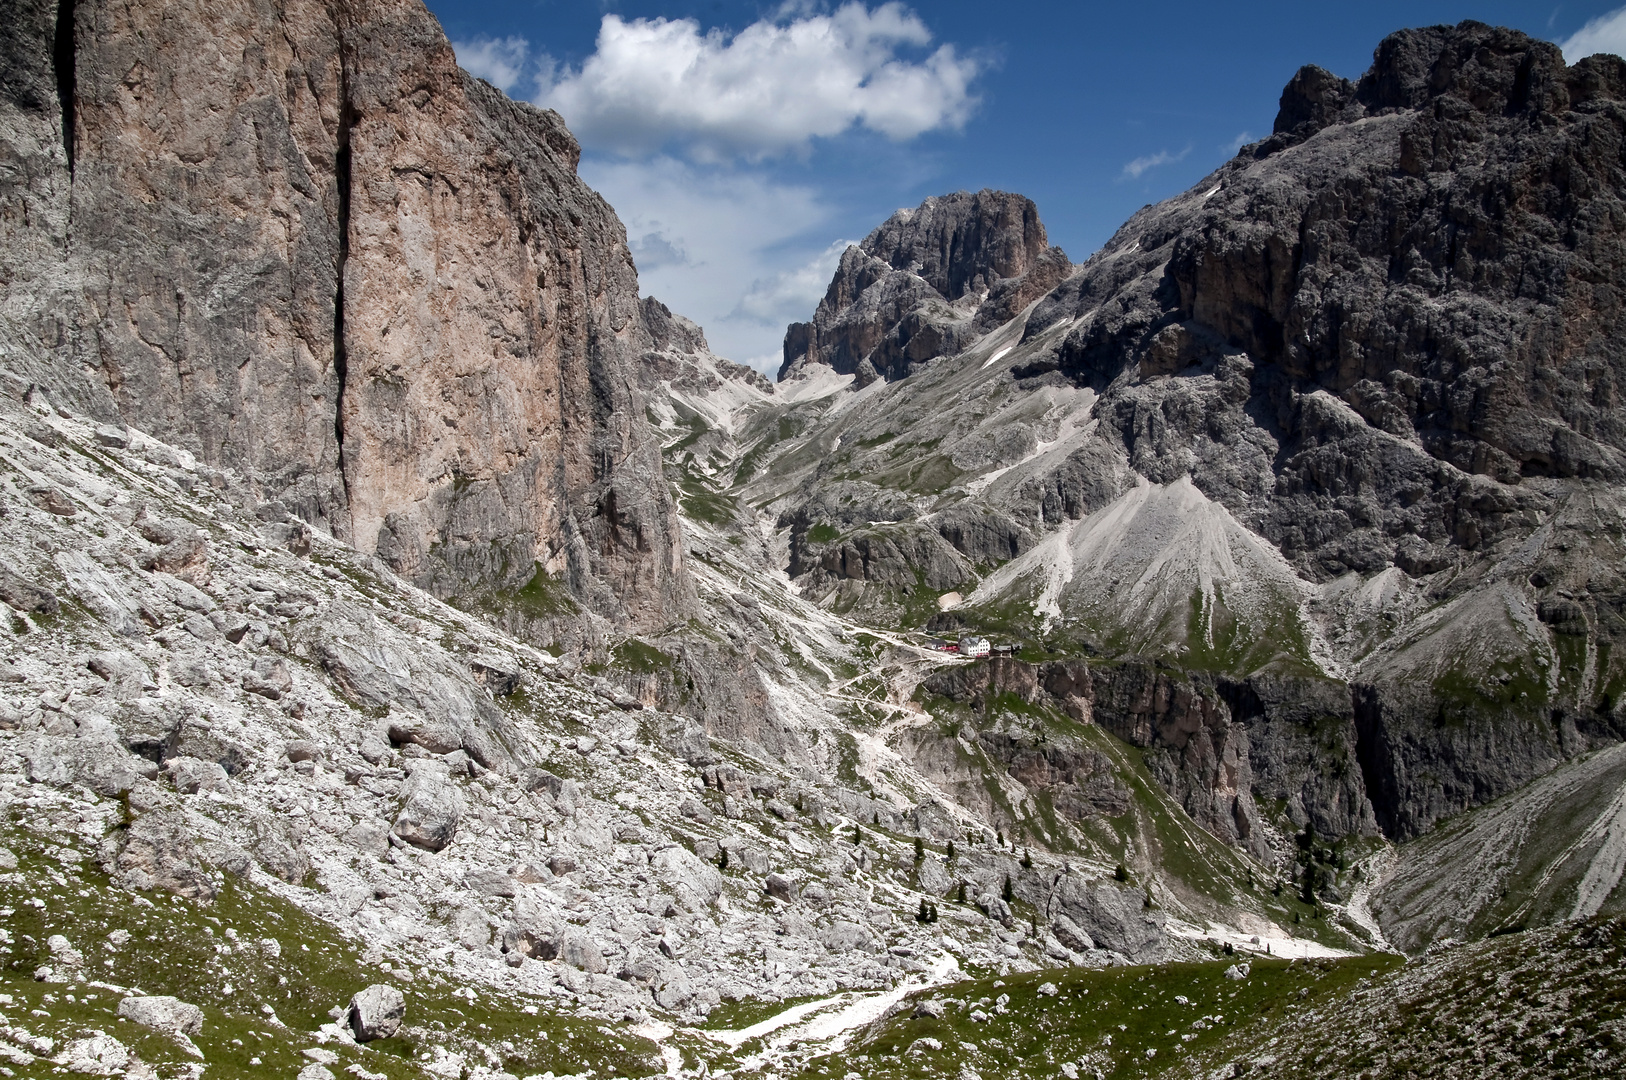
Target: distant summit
<point x="927" y="283"/>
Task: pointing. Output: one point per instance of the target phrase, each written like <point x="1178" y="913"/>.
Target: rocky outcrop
<point x="927" y="283"/>
<point x="1277" y="749"/>
<point x="376" y="1012"/>
<point x="1375" y="313"/>
<point x="309" y="249"/>
<point x="1198" y="752"/>
<point x="678" y="354"/>
<point x="1303" y="751"/>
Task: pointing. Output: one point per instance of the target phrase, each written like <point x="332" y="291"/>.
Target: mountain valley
<point x="404" y="610"/>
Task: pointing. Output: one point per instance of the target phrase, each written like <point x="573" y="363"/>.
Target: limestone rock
<point x="578" y="949"/>
<point x="780" y="887"/>
<point x="26" y="595"/>
<point x="926" y="283"/>
<point x="1070" y="934"/>
<point x="376" y="1012"/>
<point x="847" y="936"/>
<point x="697" y="884"/>
<point x="191" y="776"/>
<point x="535" y="281"/>
<point x="163" y="1013"/>
<point x="431" y="807"/>
<point x="95" y="1055"/>
<point x="157" y="852"/>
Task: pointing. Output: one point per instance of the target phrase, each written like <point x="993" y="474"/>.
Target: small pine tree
<point x="959" y="894"/>
<point x="1007" y="893"/>
<point x="858" y="835"/>
<point x="923" y="915"/>
<point x="1001" y="836"/>
<point x="931" y="912"/>
<point x="951" y="851"/>
<point x="1229" y="951"/>
<point x="1121" y="872"/>
<point x="920" y="850"/>
<point x="1027" y="859"/>
<point x="722" y="860"/>
<point x="1033" y="926"/>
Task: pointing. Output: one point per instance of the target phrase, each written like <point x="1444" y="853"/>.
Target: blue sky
<point x="743" y="144"/>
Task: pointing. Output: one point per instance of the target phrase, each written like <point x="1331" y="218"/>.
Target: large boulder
<point x="843" y="936"/>
<point x="376" y="1012"/>
<point x="691" y="879"/>
<point x="578" y="949"/>
<point x="156" y="852"/>
<point x="1111" y="917"/>
<point x="163" y="1013"/>
<point x="431" y="807"/>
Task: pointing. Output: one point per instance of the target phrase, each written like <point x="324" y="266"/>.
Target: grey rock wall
<point x="927" y="283"/>
<point x="298" y="241"/>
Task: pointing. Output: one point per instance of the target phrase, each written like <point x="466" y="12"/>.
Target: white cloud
<point x="1134" y="169"/>
<point x="1605" y="34"/>
<point x="1243" y="138"/>
<point x="738" y="252"/>
<point x="768" y="90"/>
<point x="788" y="296"/>
<point x="502" y="62"/>
<point x="691" y="119"/>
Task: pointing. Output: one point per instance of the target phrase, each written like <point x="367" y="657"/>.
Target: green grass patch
<point x="1129" y="1022"/>
<point x="265" y="974"/>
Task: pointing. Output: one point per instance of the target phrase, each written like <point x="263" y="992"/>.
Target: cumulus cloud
<point x="686" y="132"/>
<point x="740" y="253"/>
<point x="790" y="295"/>
<point x="1605" y="34"/>
<point x="502" y="62"/>
<point x="1140" y="165"/>
<point x="767" y="90"/>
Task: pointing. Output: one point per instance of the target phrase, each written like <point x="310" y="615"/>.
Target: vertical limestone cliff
<point x="296" y="239"/>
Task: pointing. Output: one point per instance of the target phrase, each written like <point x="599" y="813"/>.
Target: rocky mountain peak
<point x="928" y="282"/>
<point x="962" y="243"/>
<point x="1492" y="70"/>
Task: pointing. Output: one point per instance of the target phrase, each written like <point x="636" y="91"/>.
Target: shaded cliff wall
<point x="1238" y="755"/>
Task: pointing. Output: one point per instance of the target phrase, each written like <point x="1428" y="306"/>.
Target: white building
<point x="971" y="645"/>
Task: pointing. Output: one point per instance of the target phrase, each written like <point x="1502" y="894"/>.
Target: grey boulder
<point x="376" y="1012"/>
<point x="163" y="1013"/>
<point x="430" y="808"/>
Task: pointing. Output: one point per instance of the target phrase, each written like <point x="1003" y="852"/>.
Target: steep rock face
<point x="1197" y="751"/>
<point x="678" y="354"/>
<point x="1402" y="300"/>
<point x="34" y="188"/>
<point x="311" y="250"/>
<point x="927" y="283"/>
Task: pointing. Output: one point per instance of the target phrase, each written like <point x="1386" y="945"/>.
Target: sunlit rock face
<point x="306" y="247"/>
